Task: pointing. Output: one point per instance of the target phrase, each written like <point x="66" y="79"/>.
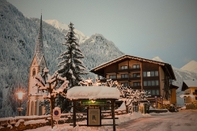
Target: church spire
<point x="39" y="51"/>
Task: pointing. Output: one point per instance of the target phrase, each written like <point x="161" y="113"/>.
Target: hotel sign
<point x="93" y="102"/>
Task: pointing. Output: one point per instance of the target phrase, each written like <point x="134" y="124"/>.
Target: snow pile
<point x="122" y="107"/>
<point x="18" y="122"/>
<point x="93" y="92"/>
<point x="35" y="122"/>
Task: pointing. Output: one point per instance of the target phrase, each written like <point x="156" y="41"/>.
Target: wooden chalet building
<point x="139" y="73"/>
<point x="190" y="93"/>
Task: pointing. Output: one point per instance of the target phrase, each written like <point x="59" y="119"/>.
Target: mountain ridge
<point x="64" y="28"/>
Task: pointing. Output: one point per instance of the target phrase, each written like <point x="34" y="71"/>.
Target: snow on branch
<point x="50" y="83"/>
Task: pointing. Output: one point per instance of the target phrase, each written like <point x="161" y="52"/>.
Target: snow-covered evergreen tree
<point x="71" y="65"/>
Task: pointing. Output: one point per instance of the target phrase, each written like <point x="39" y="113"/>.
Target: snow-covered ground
<point x="184" y="120"/>
<point x="66" y="127"/>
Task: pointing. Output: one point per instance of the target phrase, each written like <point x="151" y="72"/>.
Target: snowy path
<point x="185" y="120"/>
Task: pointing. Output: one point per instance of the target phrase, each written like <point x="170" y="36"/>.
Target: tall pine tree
<point x="71" y="65"/>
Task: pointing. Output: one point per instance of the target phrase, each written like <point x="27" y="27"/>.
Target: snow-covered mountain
<point x="17" y="43"/>
<point x="157" y="58"/>
<point x="64" y="28"/>
<point x="92" y="46"/>
<point x="97" y="50"/>
<point x="191" y="66"/>
<point x="18" y="36"/>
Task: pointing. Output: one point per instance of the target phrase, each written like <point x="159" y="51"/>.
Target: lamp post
<point x="20" y="97"/>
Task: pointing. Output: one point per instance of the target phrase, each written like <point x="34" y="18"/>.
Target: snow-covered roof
<point x="191" y="83"/>
<point x="93" y="92"/>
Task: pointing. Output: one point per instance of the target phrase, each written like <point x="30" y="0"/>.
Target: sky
<point x="143" y="28"/>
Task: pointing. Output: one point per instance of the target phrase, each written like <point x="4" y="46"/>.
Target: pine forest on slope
<point x="18" y="37"/>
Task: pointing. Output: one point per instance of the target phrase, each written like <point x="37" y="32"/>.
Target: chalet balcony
<point x="134" y="78"/>
<point x="122" y="79"/>
<point x="128" y="78"/>
<point x="135" y="87"/>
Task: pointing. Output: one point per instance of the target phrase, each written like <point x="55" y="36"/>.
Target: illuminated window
<point x="136" y="66"/>
<point x="124" y="67"/>
<point x="150" y="73"/>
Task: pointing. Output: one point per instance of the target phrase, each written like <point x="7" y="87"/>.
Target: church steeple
<point x="39" y="49"/>
<point x="37" y="65"/>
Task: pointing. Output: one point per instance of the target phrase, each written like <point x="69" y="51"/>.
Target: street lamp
<point x="20" y="97"/>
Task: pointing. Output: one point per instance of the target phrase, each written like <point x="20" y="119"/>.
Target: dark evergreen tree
<point x="71" y="65"/>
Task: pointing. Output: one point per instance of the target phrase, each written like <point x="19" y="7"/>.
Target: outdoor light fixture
<point x="20" y="95"/>
<point x="93" y="101"/>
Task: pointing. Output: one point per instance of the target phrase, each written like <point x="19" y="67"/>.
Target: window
<point x="156" y="82"/>
<point x="136" y="83"/>
<point x="151" y="83"/>
<point x="40" y="110"/>
<point x="124" y="67"/>
<point x="153" y="92"/>
<point x="195" y="92"/>
<point x="156" y="73"/>
<point x="136" y="74"/>
<point x="150" y="73"/>
<point x="125" y="84"/>
<point x="136" y="66"/>
<point x="124" y="76"/>
<point x="112" y="76"/>
<point x="157" y="92"/>
<point x="145" y="83"/>
<point x="34" y="72"/>
<point x="32" y="108"/>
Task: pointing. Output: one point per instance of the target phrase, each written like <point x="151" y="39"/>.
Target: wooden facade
<point x="139" y="73"/>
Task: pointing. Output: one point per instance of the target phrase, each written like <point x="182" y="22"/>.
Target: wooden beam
<point x="113" y="114"/>
<point x="74" y="113"/>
